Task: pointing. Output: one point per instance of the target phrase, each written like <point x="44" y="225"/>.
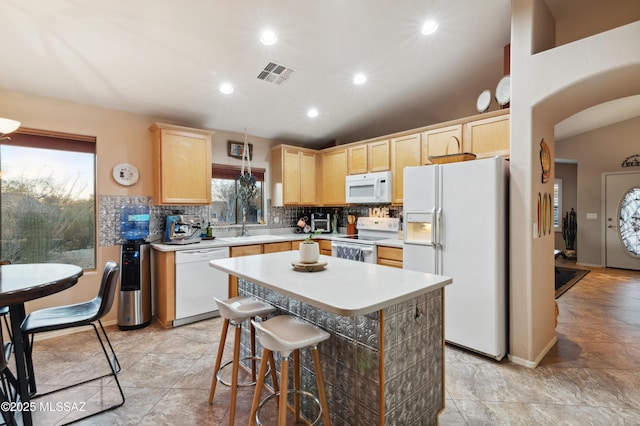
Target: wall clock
<point x="126" y="174"/>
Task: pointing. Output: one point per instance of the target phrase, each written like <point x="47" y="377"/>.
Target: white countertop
<point x="391" y="243"/>
<point x="345" y="287"/>
<point x="256" y="239"/>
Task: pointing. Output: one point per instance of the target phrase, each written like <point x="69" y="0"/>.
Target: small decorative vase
<point x="309" y="252"/>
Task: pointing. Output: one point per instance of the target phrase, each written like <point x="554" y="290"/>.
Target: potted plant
<point x="569" y="231"/>
<point x="247" y="190"/>
<point x="309" y="250"/>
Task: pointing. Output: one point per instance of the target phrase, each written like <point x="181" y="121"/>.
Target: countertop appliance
<point x="369" y="188"/>
<point x="134" y="307"/>
<point x="197" y="284"/>
<point x="362" y="247"/>
<point x="321" y="222"/>
<point x="455" y="224"/>
<point x="182" y="229"/>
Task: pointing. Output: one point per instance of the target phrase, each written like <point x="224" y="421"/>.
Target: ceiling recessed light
<point x="429" y="27"/>
<point x="268" y="37"/>
<point x="312" y="113"/>
<point x="226" y="88"/>
<point x="359" y="78"/>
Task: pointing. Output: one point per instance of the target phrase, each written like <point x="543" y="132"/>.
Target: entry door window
<point x="630" y="221"/>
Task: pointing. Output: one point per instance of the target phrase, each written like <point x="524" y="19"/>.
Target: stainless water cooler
<point x="135" y="285"/>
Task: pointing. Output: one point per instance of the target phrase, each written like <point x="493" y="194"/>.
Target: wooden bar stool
<point x="286" y="334"/>
<point x="235" y="311"/>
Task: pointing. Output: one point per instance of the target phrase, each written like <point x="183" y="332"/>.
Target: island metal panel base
<point x="383" y="368"/>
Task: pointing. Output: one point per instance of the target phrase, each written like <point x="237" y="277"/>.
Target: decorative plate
<point x="126" y="174"/>
<point x="483" y="102"/>
<point x="503" y="91"/>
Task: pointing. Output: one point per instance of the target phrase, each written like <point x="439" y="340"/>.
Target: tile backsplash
<point x="277" y="217"/>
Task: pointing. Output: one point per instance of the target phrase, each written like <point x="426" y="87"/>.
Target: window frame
<point x="227" y="171"/>
<point x="68" y="142"/>
<point x="557" y="204"/>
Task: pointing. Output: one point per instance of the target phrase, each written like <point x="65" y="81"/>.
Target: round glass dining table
<point x="20" y="283"/>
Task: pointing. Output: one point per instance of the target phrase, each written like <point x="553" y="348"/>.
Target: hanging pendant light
<point x="7" y="126"/>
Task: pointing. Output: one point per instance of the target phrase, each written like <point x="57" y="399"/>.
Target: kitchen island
<point x="384" y="362"/>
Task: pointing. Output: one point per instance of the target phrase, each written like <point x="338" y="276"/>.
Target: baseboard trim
<point x="533" y="364"/>
<point x="589" y="265"/>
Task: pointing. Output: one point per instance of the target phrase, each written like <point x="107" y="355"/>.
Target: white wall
<point x="120" y="137"/>
<point x="549" y="84"/>
<point x="598" y="151"/>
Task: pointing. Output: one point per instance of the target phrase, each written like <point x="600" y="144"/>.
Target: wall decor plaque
<point x="545" y="161"/>
<point x="236" y="149"/>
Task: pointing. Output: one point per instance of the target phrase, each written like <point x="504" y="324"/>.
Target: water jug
<point x="134" y="222"/>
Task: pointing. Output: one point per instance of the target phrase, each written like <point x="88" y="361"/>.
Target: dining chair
<point x="8" y="383"/>
<point x="77" y="315"/>
<point x="4" y="310"/>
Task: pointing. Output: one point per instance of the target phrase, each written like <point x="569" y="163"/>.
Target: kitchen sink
<point x="252" y="238"/>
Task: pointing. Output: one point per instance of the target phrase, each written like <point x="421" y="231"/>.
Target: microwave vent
<point x="275" y="73"/>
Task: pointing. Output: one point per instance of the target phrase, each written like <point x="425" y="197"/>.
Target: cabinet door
<point x="236" y="252"/>
<point x="488" y="137"/>
<point x="379" y="158"/>
<point x="357" y="157"/>
<point x="308" y="178"/>
<point x="164" y="283"/>
<point x="325" y="247"/>
<point x="276" y="247"/>
<point x="291" y="177"/>
<point x="390" y="256"/>
<point x="334" y="173"/>
<point x="405" y="152"/>
<point x="446" y="140"/>
<point x="182" y="166"/>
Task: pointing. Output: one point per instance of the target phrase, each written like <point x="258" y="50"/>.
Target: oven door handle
<point x="366" y="248"/>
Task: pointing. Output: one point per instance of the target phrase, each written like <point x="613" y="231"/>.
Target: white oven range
<point x="362" y="247"/>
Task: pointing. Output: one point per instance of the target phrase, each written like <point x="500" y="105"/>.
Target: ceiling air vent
<point x="275" y="73"/>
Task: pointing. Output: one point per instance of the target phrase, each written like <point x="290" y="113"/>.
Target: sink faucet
<point x="244" y="222"/>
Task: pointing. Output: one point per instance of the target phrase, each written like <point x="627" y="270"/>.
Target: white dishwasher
<point x="197" y="283"/>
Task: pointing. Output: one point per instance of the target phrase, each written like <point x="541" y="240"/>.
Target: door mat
<point x="567" y="278"/>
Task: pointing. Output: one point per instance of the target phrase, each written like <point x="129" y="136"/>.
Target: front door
<point x="622" y="220"/>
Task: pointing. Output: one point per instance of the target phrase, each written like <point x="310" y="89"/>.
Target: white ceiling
<point x="167" y="58"/>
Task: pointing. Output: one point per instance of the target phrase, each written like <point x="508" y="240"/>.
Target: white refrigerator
<point x="455" y="224"/>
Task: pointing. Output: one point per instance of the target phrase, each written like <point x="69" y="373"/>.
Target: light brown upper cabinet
<point x="379" y="156"/>
<point x="181" y="165"/>
<point x="487" y="137"/>
<point x="369" y="157"/>
<point x="295" y="169"/>
<point x="332" y="181"/>
<point x="405" y="152"/>
<point x="442" y="141"/>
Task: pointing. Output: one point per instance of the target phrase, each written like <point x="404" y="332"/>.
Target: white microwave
<point x="369" y="188"/>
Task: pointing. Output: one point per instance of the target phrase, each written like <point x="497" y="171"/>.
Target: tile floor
<point x="590" y="376"/>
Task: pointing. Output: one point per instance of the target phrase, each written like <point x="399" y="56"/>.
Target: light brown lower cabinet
<point x="390" y="256"/>
<point x="324" y="245"/>
<point x="276" y="247"/>
<point x="237" y="251"/>
<point x="164" y="269"/>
